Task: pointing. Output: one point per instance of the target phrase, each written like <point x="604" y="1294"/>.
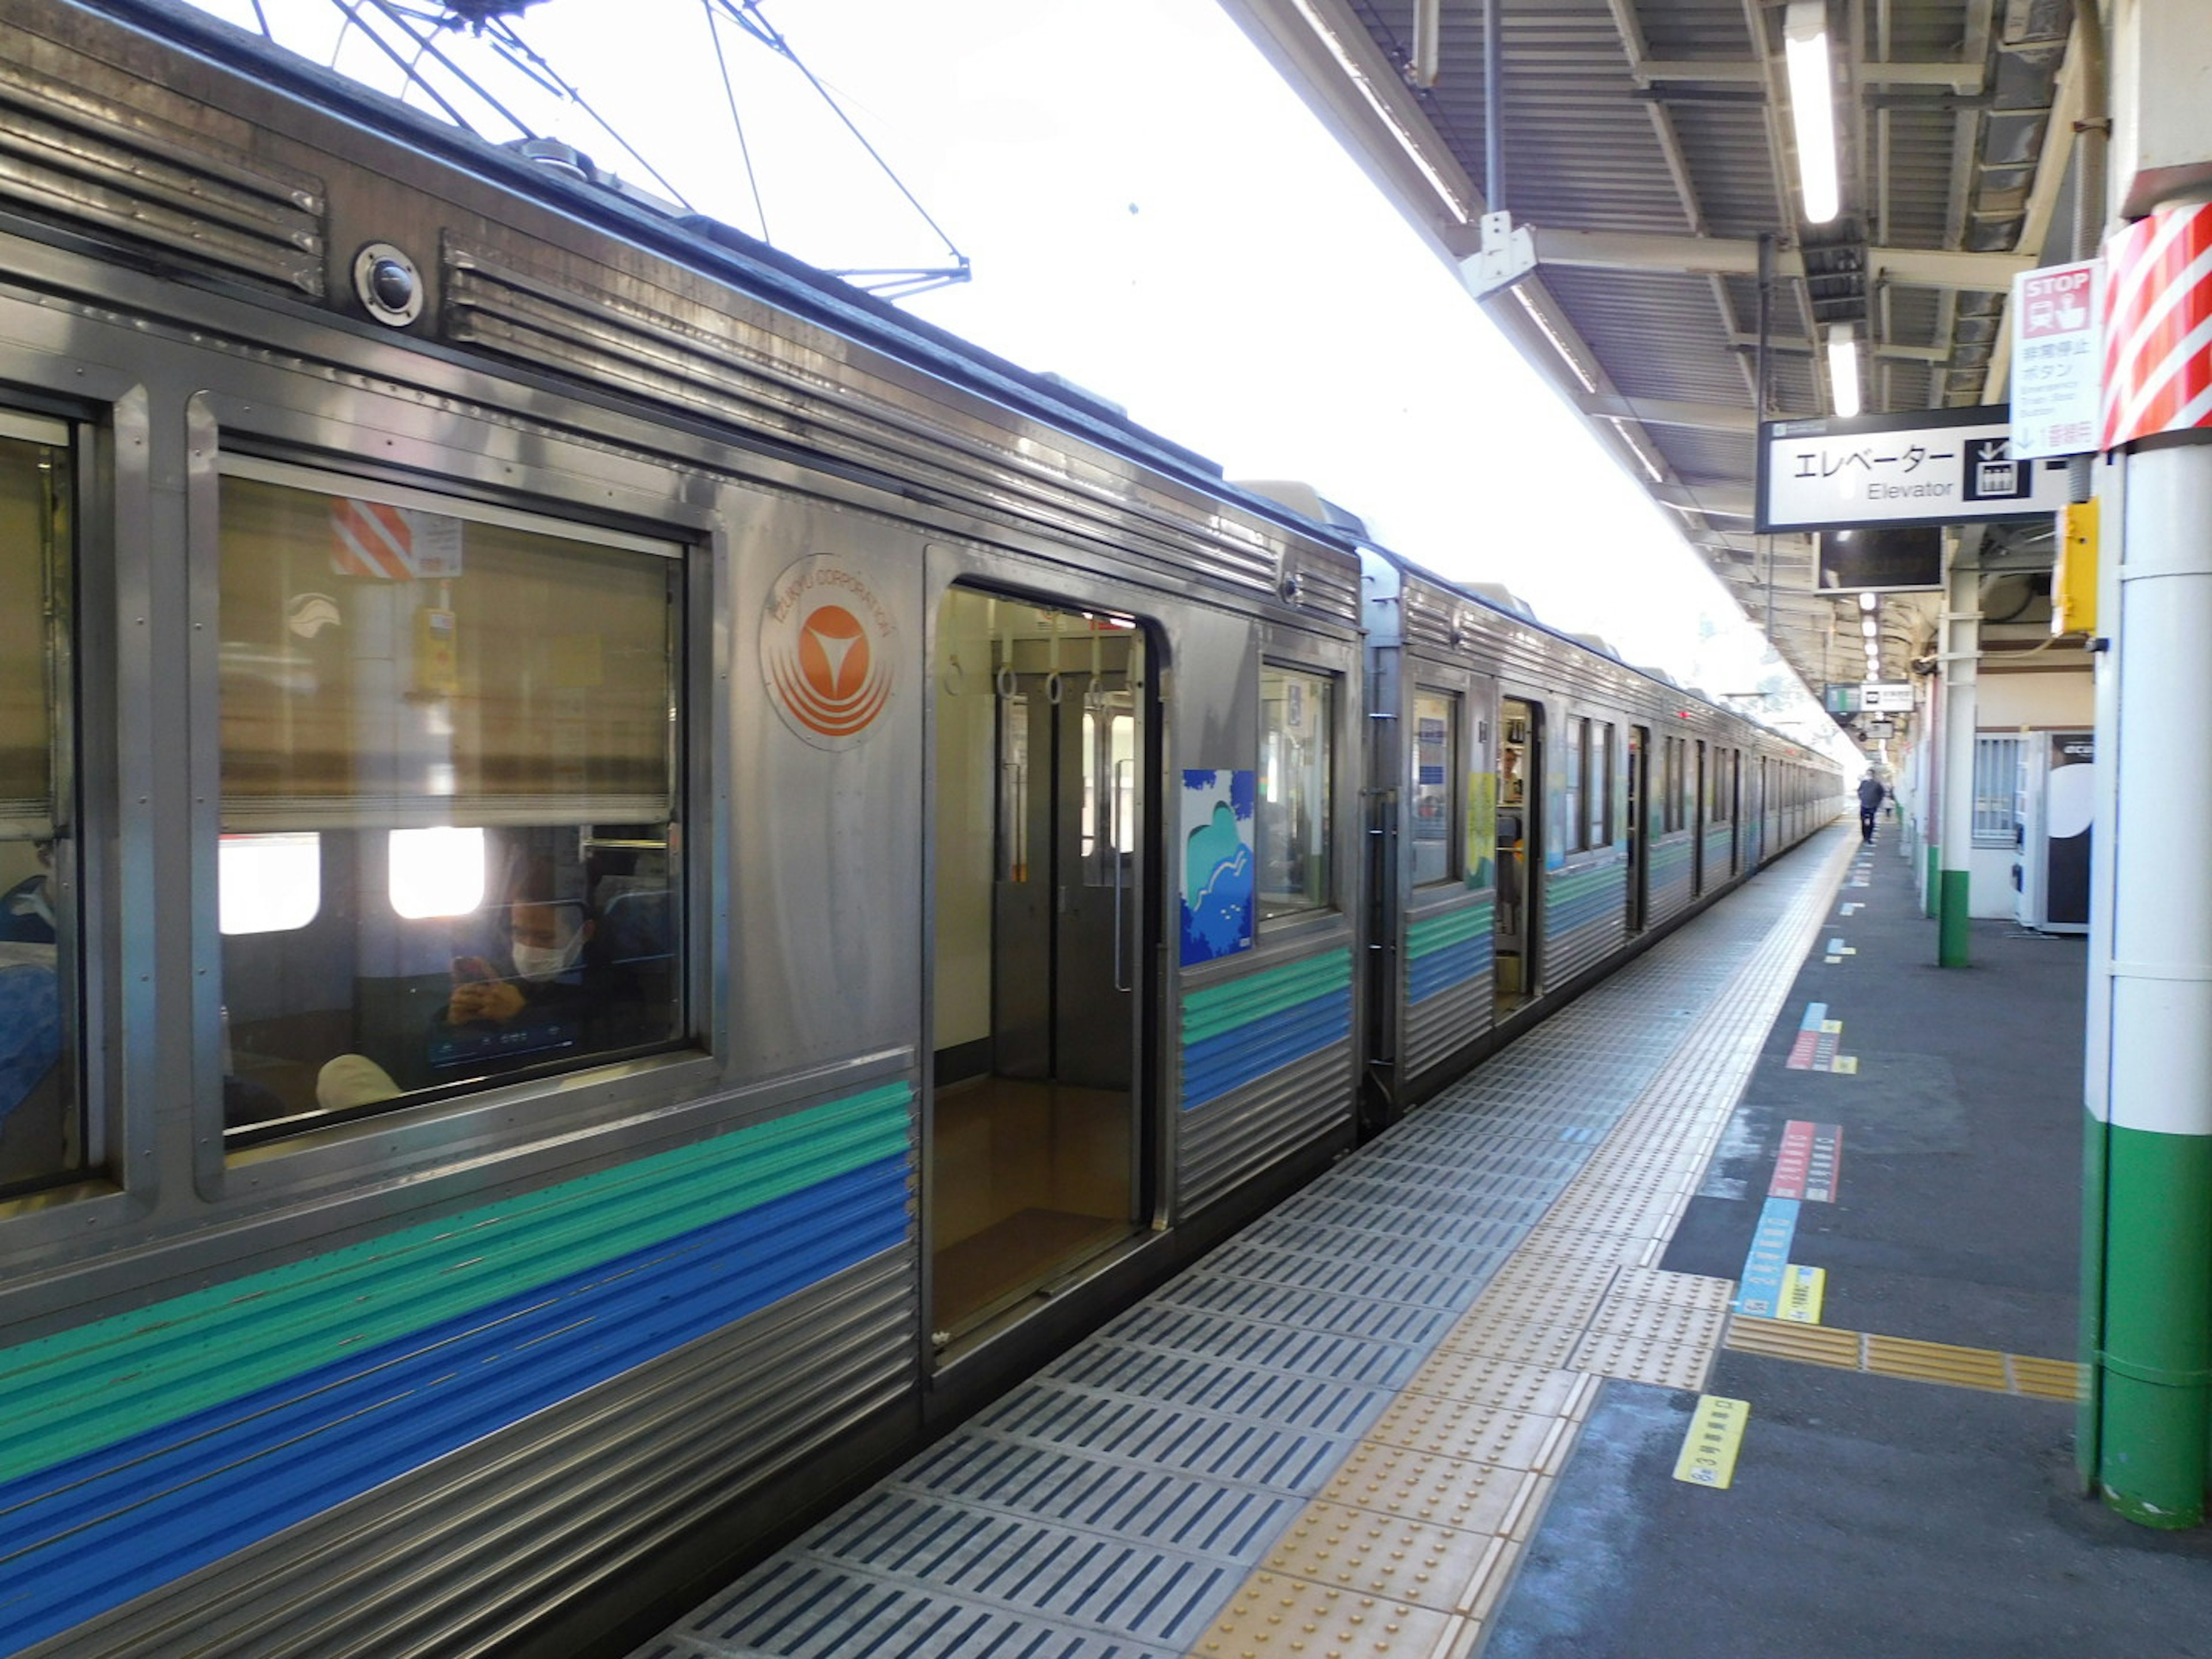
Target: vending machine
<point x="2057" y="795"/>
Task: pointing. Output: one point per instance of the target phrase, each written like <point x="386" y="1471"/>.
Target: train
<point x="632" y="880"/>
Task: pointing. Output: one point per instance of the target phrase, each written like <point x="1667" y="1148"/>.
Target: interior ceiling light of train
<point x="1717" y="213"/>
<point x="478" y="64"/>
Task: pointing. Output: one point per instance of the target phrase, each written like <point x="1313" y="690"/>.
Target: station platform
<point x="1542" y="1371"/>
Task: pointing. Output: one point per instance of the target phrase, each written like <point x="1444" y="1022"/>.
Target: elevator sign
<point x="1932" y="466"/>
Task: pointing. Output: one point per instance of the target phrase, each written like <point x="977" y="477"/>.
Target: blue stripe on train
<point x="1212" y="1068"/>
<point x="1455" y="964"/>
<point x="91" y="1533"/>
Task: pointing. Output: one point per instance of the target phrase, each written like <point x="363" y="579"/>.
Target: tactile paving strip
<point x="1145" y="1495"/>
<point x="1274" y="1615"/>
<point x="1903" y="1357"/>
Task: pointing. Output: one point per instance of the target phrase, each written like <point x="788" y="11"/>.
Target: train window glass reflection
<point x="268" y="884"/>
<point x="1435" y="788"/>
<point x="1297" y="717"/>
<point x="1109" y="784"/>
<point x="450" y="741"/>
<point x="1600" y="783"/>
<point x="42" y="1130"/>
<point x="1574" y="750"/>
<point x="436" y="872"/>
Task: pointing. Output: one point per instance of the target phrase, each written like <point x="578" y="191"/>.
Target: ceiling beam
<point x="1609" y="250"/>
<point x="1957" y="74"/>
<point x="1722" y="501"/>
<point x="1669" y="411"/>
<point x="1798" y="346"/>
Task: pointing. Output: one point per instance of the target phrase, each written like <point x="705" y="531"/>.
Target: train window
<point x="1574" y="753"/>
<point x="1600" y="773"/>
<point x="1298" y="713"/>
<point x="1673" y="791"/>
<point x="450" y="745"/>
<point x="1716" y="788"/>
<point x="1109" y="784"/>
<point x="42" y="1131"/>
<point x="1014" y="829"/>
<point x="1436" y="789"/>
<point x="268" y="884"/>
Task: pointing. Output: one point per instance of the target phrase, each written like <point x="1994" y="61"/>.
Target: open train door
<point x="1639" y="828"/>
<point x="1520" y="851"/>
<point x="1039" y="876"/>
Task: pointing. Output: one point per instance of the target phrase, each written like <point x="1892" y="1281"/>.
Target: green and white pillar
<point x="1954" y="832"/>
<point x="2146" y="1284"/>
<point x="2147" y="1278"/>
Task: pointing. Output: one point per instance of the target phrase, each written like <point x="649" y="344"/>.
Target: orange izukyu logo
<point x="829" y="651"/>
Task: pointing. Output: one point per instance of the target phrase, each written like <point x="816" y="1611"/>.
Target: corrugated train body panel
<point x="1585" y="918"/>
<point x="1266" y="1069"/>
<point x="1448" y="995"/>
<point x="1672" y="877"/>
<point x="147" y="1447"/>
<point x="1719" y="838"/>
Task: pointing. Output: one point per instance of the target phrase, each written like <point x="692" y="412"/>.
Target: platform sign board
<point x="2058" y="359"/>
<point x="1932" y="466"/>
<point x="1887" y="696"/>
<point x="1841" y="698"/>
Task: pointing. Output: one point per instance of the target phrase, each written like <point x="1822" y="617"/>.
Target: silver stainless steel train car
<point x="630" y="880"/>
<point x="1540" y="808"/>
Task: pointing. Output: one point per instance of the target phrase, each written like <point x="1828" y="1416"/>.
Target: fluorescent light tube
<point x="1812" y="106"/>
<point x="1844" y="367"/>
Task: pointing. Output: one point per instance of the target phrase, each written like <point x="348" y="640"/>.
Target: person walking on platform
<point x="1871" y="796"/>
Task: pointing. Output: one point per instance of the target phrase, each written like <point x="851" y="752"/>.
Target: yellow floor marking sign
<point x="1709" y="1449"/>
<point x="1802" y="1289"/>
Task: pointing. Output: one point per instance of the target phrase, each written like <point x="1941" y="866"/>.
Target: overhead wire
<point x="746" y="15"/>
<point x="730" y="92"/>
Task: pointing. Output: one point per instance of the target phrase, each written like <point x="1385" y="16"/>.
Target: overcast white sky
<point x="1152" y="213"/>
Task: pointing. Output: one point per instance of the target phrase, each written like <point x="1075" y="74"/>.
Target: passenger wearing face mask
<point x="546" y="941"/>
<point x="557" y="998"/>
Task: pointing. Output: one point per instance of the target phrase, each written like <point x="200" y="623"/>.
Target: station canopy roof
<point x="1649" y="146"/>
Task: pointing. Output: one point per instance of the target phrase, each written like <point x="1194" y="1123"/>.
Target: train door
<point x="1700" y="816"/>
<point x="1520" y="850"/>
<point x="1039" y="881"/>
<point x="1639" y="836"/>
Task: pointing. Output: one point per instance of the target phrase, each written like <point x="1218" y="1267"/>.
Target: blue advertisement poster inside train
<point x="1218" y="865"/>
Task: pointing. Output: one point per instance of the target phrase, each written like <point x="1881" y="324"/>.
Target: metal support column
<point x="2148" y="1290"/>
<point x="1954" y="834"/>
<point x="2154" y="1364"/>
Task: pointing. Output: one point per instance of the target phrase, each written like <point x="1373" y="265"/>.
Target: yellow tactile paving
<point x="1936" y="1362"/>
<point x="2048" y="1379"/>
<point x="1813" y="1345"/>
<point x="1503" y="1336"/>
<point x="1661" y="1322"/>
<point x="1444" y="1491"/>
<point x="1274" y="1616"/>
<point x="1478" y="1379"/>
<point x="1558" y="1290"/>
<point x="1638" y="1356"/>
<point x="1356" y="1549"/>
<point x="1677" y="1290"/>
<point x="1905" y="1358"/>
<point x="1455" y="1428"/>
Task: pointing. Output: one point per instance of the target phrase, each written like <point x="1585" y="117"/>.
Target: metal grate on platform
<point x="1335" y="1432"/>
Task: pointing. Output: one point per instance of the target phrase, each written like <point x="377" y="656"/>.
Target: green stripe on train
<point x="1219" y="1008"/>
<point x="67" y="1393"/>
<point x="1436" y="932"/>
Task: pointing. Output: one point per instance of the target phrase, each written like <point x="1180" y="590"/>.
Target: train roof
<point x="716" y="250"/>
